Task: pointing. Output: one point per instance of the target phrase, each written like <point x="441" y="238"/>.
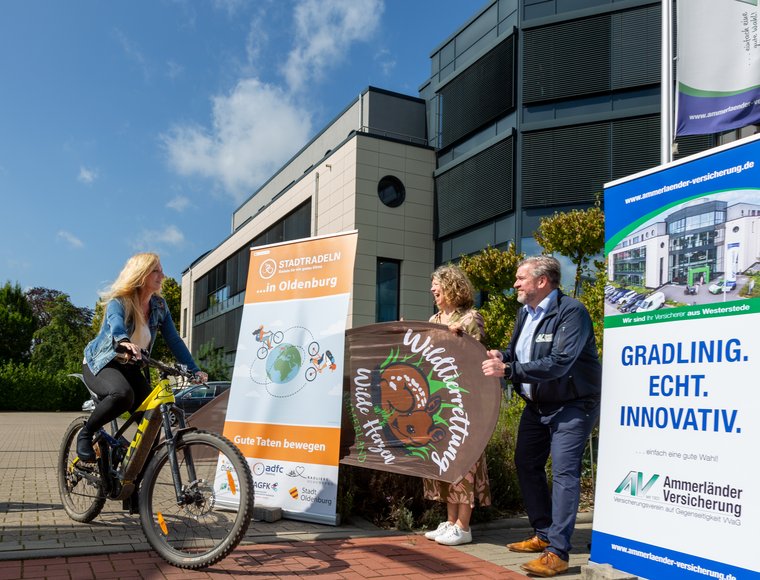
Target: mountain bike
<point x="192" y="489"/>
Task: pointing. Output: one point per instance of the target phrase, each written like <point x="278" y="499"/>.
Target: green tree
<point x="592" y="297"/>
<point x="577" y="234"/>
<point x="17" y="324"/>
<point x="493" y="271"/>
<point x="211" y="360"/>
<point x="60" y="343"/>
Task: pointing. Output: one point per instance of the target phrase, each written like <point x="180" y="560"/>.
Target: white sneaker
<point x="454" y="536"/>
<point x="441" y="529"/>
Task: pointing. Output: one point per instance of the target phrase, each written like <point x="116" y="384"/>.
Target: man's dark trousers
<point x="563" y="434"/>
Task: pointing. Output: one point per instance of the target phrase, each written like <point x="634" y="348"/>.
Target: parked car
<point x="626" y="296"/>
<point x="721" y="286"/>
<point x="192" y="398"/>
<point x="652" y="302"/>
<point x="632" y="303"/>
<point x="613" y="297"/>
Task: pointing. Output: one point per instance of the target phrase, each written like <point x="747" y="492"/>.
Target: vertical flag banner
<point x="284" y="409"/>
<point x="718" y="66"/>
<point x="416" y="400"/>
<point x="677" y="490"/>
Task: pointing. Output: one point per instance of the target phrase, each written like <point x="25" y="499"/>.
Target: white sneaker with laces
<point x="454" y="536"/>
<point x="441" y="529"/>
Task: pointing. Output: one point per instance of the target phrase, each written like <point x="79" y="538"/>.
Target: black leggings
<point x="121" y="387"/>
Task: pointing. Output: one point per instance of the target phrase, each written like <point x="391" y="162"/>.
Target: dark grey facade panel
<point x="635" y="145"/>
<point x="567" y="59"/>
<point x="478" y="189"/>
<point x="691" y="144"/>
<point x="636" y="47"/>
<point x="570" y="165"/>
<point x="479" y="95"/>
<point x="563" y="166"/>
<point x="592" y="55"/>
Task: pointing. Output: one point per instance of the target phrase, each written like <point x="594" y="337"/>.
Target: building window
<point x="391" y="191"/>
<point x="387" y="293"/>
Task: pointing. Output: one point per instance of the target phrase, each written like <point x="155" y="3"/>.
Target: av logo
<point x="634" y="482"/>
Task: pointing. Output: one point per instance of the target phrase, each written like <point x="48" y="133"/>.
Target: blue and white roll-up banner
<point x="677" y="491"/>
<point x="718" y="66"/>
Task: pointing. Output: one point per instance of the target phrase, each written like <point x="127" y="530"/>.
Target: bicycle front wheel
<point x="79" y="484"/>
<point x="215" y="505"/>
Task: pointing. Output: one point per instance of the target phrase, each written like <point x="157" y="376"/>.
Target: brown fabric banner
<point x="416" y="401"/>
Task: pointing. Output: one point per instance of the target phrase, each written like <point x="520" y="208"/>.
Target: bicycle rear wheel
<point x="80" y="485"/>
<point x="216" y="506"/>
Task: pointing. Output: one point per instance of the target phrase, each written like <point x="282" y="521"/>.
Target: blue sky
<point x="141" y="125"/>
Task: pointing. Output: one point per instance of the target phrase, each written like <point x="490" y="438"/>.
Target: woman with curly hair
<point x="453" y="295"/>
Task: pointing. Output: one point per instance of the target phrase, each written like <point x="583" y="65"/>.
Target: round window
<point x="391" y="191"/>
<point x="736" y="229"/>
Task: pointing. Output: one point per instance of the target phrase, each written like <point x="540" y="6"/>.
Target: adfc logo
<point x="633" y="483"/>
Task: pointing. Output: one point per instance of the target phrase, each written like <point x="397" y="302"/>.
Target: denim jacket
<point x="102" y="349"/>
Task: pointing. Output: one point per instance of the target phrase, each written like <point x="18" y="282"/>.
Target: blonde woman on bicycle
<point x="135" y="311"/>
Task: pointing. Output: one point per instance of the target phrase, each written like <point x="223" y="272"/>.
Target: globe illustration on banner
<point x="283" y="363"/>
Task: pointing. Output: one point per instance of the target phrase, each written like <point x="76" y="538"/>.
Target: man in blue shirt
<point x="553" y="362"/>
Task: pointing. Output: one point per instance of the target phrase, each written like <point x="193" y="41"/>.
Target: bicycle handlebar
<point x="176" y="370"/>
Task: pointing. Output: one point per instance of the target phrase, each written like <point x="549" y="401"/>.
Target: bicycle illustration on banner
<point x="284" y="366"/>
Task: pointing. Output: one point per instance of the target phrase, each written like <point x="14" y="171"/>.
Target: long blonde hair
<point x="128" y="284"/>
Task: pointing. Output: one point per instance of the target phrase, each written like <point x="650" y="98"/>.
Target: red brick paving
<point x="384" y="558"/>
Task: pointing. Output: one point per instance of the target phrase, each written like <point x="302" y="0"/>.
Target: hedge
<point x="28" y="389"/>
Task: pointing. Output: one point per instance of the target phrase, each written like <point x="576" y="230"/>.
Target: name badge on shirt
<point x="544" y="337"/>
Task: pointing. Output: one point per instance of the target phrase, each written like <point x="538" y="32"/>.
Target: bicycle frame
<point x="149" y="417"/>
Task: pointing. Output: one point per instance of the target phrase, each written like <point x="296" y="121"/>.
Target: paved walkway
<point x="38" y="540"/>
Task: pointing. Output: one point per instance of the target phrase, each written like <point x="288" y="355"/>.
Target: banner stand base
<point x="604" y="572"/>
<point x="265" y="513"/>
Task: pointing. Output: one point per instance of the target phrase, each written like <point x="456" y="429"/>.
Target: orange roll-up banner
<point x="284" y="410"/>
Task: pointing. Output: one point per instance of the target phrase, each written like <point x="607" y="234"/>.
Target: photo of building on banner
<point x="675" y="497"/>
<point x="718" y="66"/>
<point x="416" y="400"/>
<point x="284" y="408"/>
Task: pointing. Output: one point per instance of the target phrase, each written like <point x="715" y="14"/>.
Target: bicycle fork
<point x="171" y="447"/>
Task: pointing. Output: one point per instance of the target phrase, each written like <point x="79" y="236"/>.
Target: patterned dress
<point x="474" y="485"/>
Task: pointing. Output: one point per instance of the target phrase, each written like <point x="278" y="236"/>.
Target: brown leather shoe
<point x="534" y="544"/>
<point x="546" y="566"/>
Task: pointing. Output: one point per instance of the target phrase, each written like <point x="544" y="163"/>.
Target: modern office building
<point x="531" y="106"/>
<point x="370" y="170"/>
<point x="697" y="243"/>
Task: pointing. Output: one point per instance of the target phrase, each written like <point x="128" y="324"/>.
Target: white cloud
<point x="173" y="69"/>
<point x="70" y="239"/>
<point x="324" y="32"/>
<point x="133" y="53"/>
<point x="179" y="203"/>
<point x="386" y="61"/>
<point x="256" y="128"/>
<point x="87" y="175"/>
<point x="168" y="236"/>
<point x="229" y="6"/>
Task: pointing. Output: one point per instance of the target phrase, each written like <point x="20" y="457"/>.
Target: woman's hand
<point x="456" y="329"/>
<point x="200" y="377"/>
<point x="131" y="349"/>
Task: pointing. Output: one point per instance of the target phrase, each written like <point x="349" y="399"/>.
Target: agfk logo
<point x="634" y="482"/>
